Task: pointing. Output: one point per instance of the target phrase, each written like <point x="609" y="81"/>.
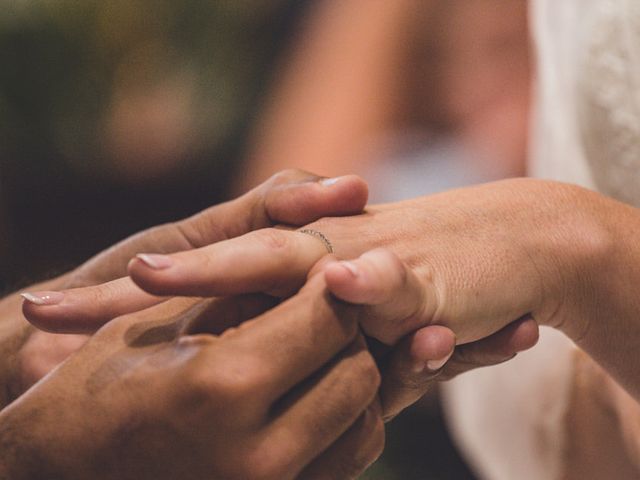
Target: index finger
<point x="271" y="261"/>
<point x="287" y="344"/>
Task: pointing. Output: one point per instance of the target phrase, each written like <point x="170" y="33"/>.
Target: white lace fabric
<point x="608" y="89"/>
<point x="508" y="419"/>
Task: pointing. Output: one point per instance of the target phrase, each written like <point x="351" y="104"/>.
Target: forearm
<point x="608" y="288"/>
<point x="601" y="423"/>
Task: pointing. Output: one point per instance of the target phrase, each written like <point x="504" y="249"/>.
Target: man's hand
<point x="291" y="197"/>
<point x="287" y="394"/>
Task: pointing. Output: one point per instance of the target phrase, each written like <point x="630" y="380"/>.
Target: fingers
<point x="353" y="452"/>
<point x="503" y="345"/>
<point x="313" y="416"/>
<point x="412" y="366"/>
<point x="291" y="197"/>
<point x="298" y="198"/>
<point x="292" y="341"/>
<point x="270" y="260"/>
<point x="418" y="360"/>
<point x="396" y="301"/>
<point x="274" y="261"/>
<point x="84" y="310"/>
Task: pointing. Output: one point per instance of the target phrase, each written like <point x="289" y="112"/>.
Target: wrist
<point x="576" y="244"/>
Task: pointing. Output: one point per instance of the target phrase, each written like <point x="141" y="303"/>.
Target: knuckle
<point x="230" y="387"/>
<point x="274" y="240"/>
<point x="389" y="262"/>
<point x="98" y="295"/>
<point x="419" y="382"/>
<point x="267" y="463"/>
<point x="369" y="372"/>
<point x="366" y="376"/>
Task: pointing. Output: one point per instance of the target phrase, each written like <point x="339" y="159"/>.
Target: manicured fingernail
<point x="329" y="182"/>
<point x="351" y="267"/>
<point x="418" y="367"/>
<point x="155" y="261"/>
<point x="435" y="365"/>
<point x="43" y="298"/>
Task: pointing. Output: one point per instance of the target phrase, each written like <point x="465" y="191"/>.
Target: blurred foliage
<point x="117" y="115"/>
<point x="66" y="64"/>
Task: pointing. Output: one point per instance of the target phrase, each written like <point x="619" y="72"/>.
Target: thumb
<point x="292" y="197"/>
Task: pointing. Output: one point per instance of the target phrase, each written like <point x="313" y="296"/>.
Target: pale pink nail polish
<point x="329" y="182"/>
<point x="155" y="261"/>
<point x="351" y="267"/>
<point x="43" y="298"/>
<point x="418" y="367"/>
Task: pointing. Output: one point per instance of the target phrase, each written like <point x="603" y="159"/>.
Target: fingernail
<point x="435" y="365"/>
<point x="418" y="367"/>
<point x="329" y="182"/>
<point x="155" y="261"/>
<point x="43" y="298"/>
<point x="351" y="267"/>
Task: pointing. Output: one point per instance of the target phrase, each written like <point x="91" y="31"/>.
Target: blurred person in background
<point x="416" y="96"/>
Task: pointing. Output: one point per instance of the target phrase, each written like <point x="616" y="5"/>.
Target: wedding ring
<point x="320" y="236"/>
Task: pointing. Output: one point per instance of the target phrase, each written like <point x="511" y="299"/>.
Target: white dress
<point x="508" y="420"/>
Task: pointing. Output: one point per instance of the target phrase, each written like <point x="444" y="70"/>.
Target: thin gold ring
<point x="320" y="236"/>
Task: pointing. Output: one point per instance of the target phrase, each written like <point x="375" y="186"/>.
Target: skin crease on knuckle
<point x="227" y="389"/>
<point x="276" y="242"/>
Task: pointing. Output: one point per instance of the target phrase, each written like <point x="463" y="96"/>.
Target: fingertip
<point x="31" y="313"/>
<point x="345" y="280"/>
<point x="432" y="343"/>
<point x="148" y="276"/>
<point x="525" y="334"/>
<point x="53" y="319"/>
<point x="350" y="190"/>
<point x="322" y="264"/>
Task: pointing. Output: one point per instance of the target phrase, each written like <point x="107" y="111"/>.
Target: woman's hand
<point x="485" y="256"/>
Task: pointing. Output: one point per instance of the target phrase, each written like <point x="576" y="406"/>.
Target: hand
<point x="276" y="261"/>
<point x="291" y="197"/>
<point x="393" y="300"/>
<point x="484" y="256"/>
<point x="287" y="394"/>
